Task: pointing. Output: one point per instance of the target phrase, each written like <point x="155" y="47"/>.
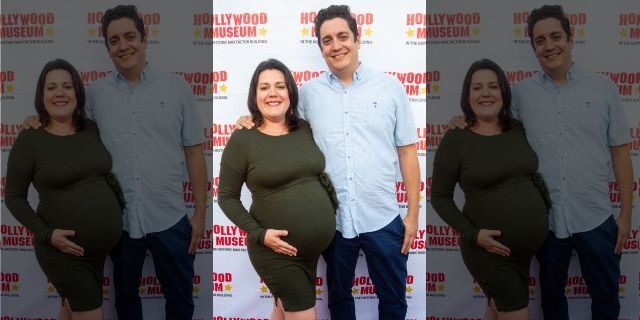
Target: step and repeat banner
<point x="244" y="33"/>
<point x="606" y="40"/>
<point x="34" y="32"/>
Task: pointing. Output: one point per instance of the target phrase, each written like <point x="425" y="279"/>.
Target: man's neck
<point x="133" y="76"/>
<point x="346" y="77"/>
<point x="559" y="77"/>
<point x="133" y="81"/>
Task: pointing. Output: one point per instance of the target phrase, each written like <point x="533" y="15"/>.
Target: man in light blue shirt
<point x="362" y="121"/>
<point x="150" y="124"/>
<point x="575" y="122"/>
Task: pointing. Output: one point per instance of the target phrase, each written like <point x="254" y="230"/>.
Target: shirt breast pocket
<point x="163" y="112"/>
<point x="588" y="113"/>
<point x="377" y="112"/>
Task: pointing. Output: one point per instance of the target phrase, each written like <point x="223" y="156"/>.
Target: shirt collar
<point x="357" y="75"/>
<point x="144" y="76"/>
<point x="572" y="74"/>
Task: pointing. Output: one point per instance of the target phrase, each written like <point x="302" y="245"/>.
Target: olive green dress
<point x="69" y="173"/>
<point x="282" y="174"/>
<point x="502" y="192"/>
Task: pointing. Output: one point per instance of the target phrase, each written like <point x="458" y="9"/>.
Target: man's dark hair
<point x="120" y="12"/>
<point x="505" y="118"/>
<point x="79" y="115"/>
<point x="545" y="12"/>
<point x="335" y="11"/>
<point x="292" y="117"/>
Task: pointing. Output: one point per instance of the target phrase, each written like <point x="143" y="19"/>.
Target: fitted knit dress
<point x="282" y="174"/>
<point x="70" y="175"/>
<point x="495" y="173"/>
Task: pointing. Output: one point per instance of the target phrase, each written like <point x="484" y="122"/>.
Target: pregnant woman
<point x="504" y="219"/>
<point x="78" y="219"/>
<point x="291" y="220"/>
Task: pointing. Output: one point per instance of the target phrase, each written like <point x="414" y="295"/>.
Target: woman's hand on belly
<point x="272" y="240"/>
<point x="486" y="241"/>
<point x="60" y="241"/>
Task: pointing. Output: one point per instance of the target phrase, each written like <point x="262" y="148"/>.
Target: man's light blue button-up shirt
<point x="571" y="128"/>
<point x="358" y="128"/>
<point x="145" y="128"/>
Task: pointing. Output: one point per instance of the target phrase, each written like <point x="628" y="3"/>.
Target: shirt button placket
<point x="135" y="143"/>
<point x="349" y="164"/>
<point x="561" y="105"/>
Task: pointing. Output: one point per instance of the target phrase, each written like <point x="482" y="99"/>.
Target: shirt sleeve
<point x="233" y="174"/>
<point x="20" y="171"/>
<point x="515" y="102"/>
<point x="192" y="124"/>
<point x="90" y="102"/>
<point x="446" y="172"/>
<point x="405" y="131"/>
<point x="302" y="101"/>
<point x="618" y="127"/>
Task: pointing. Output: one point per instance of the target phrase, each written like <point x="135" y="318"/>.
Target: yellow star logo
<point x="517" y="31"/>
<point x="567" y="290"/>
<point x="421" y="197"/>
<point x="581" y="32"/>
<point x="264" y="289"/>
<point x="621" y="290"/>
<point x="354" y="291"/>
<point x="436" y="88"/>
<point x="318" y="292"/>
<point x="410" y="33"/>
<point x="92" y="32"/>
<point x="50" y="31"/>
<point x="476" y="289"/>
<point x="262" y="31"/>
<point x="409" y="289"/>
<point x="51" y="289"/>
<point x="196" y="290"/>
<point x="638" y="90"/>
<point x="10" y="87"/>
<point x="141" y="290"/>
<point x="227" y="287"/>
<point x="105" y="290"/>
<point x="475" y="31"/>
<point x="155" y="32"/>
<point x="368" y="32"/>
<point x="197" y="33"/>
<point x="623" y="33"/>
<point x="223" y="88"/>
<point x="441" y="287"/>
<point x="304" y="31"/>
<point x="423" y="90"/>
<point x="532" y="291"/>
<point x="15" y="287"/>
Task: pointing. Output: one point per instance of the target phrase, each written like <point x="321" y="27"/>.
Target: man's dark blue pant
<point x="173" y="266"/>
<point x="387" y="269"/>
<point x="600" y="268"/>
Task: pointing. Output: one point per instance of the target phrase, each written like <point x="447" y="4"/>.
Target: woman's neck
<point x="274" y="128"/>
<point x="61" y="127"/>
<point x="486" y="128"/>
